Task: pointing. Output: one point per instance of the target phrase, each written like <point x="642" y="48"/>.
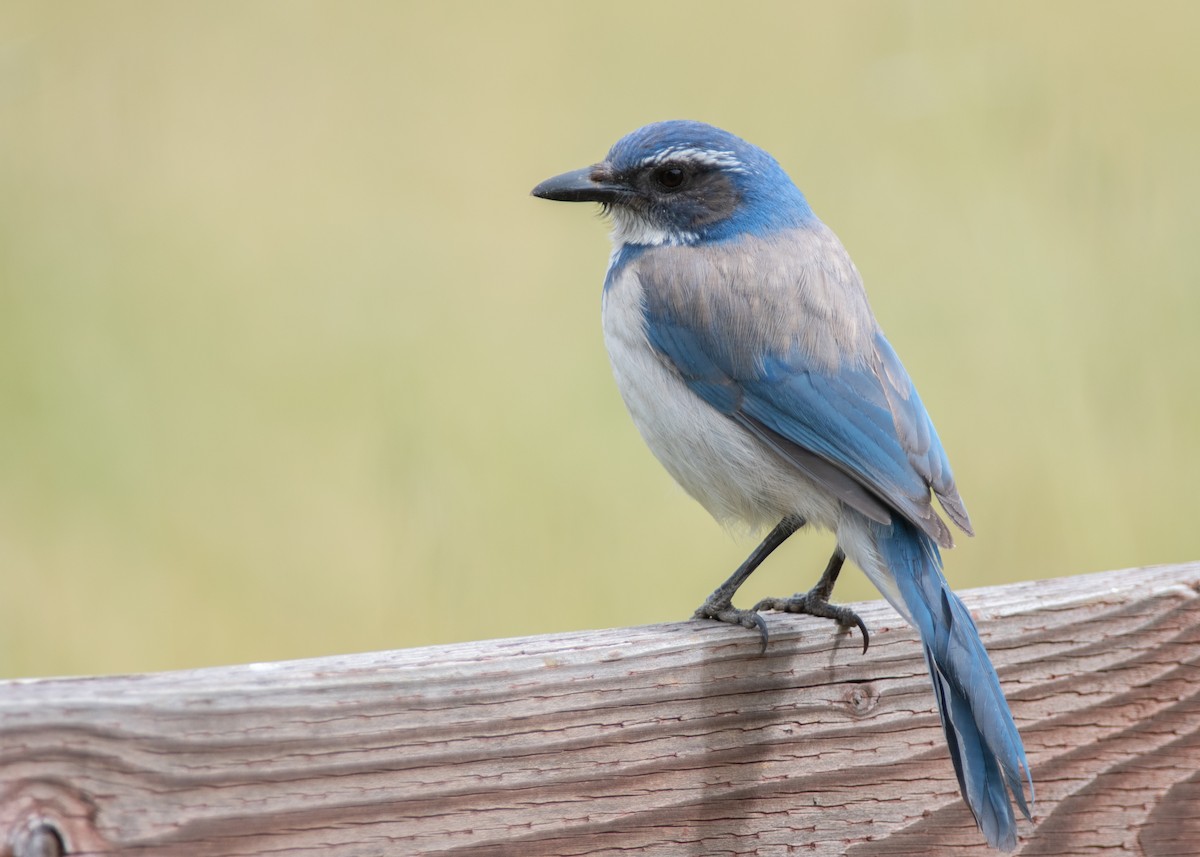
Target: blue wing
<point x="858" y="430"/>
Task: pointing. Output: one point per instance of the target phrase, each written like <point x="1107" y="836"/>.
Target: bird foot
<point x="724" y="611"/>
<point x="814" y="603"/>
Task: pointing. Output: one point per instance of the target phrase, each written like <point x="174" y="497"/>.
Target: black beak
<point x="585" y="185"/>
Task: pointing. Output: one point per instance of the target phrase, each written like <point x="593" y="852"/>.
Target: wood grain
<point x="676" y="739"/>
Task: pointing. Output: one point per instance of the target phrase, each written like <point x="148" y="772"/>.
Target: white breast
<point x="716" y="461"/>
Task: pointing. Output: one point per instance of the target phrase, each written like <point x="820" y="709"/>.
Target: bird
<point x="745" y="350"/>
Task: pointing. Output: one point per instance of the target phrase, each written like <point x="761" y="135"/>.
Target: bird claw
<point x="812" y="604"/>
<point x="733" y="616"/>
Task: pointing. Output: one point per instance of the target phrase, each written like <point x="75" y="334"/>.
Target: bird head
<point x="683" y="182"/>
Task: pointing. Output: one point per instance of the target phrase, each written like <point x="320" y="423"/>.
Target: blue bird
<point x="746" y="352"/>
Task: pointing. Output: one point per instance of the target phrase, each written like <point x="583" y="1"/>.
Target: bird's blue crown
<point x="736" y="188"/>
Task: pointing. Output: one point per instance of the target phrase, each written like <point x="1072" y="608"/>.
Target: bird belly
<point x="721" y="465"/>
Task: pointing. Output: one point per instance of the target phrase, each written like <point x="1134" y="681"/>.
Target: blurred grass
<point x="291" y="364"/>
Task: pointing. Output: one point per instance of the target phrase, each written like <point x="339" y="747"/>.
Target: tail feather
<point x="984" y="744"/>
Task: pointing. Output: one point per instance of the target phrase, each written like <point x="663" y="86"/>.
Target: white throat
<point x="629" y="227"/>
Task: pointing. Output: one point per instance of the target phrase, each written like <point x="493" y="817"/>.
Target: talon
<point x="862" y="626"/>
<point x="733" y="616"/>
<point x="762" y="631"/>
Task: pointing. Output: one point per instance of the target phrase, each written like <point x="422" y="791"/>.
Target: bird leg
<point x="815" y="602"/>
<point x="719" y="605"/>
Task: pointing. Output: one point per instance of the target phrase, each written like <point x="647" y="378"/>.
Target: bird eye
<point x="669" y="178"/>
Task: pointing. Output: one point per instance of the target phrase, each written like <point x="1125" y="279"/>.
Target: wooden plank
<point x="664" y="740"/>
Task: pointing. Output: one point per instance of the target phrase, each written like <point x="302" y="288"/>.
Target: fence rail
<point x="677" y="739"/>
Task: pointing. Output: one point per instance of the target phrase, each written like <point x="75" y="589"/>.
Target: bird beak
<point x="586" y="185"/>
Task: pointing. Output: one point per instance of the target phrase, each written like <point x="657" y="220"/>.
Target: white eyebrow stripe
<point x="724" y="159"/>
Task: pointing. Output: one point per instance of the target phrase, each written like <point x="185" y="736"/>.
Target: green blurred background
<point x="291" y="364"/>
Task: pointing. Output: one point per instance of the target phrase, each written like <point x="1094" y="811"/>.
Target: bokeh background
<point x="291" y="364"/>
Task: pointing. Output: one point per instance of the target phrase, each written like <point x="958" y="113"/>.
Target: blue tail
<point x="984" y="744"/>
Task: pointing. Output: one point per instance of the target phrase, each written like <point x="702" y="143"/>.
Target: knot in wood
<point x="861" y="699"/>
<point x="43" y="839"/>
<point x="47" y="818"/>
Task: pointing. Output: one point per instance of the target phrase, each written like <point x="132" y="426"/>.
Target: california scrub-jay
<point x="746" y="352"/>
